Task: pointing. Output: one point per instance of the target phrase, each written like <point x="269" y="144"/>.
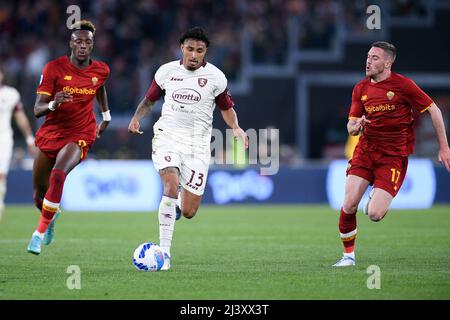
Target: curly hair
<point x="196" y="33"/>
<point x="83" y="25"/>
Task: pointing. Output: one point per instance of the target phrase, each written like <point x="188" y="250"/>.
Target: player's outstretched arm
<point x="439" y="127"/>
<point x="142" y="110"/>
<point x="230" y="118"/>
<point x="102" y="99"/>
<point x="44" y="105"/>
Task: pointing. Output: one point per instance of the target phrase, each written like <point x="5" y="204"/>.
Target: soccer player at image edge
<point x="381" y="111"/>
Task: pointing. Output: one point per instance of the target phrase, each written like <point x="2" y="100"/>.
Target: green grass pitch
<point x="229" y="252"/>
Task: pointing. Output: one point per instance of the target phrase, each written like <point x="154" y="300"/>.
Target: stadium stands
<point x="278" y="55"/>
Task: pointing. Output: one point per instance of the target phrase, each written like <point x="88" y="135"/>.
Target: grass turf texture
<point x="229" y="252"/>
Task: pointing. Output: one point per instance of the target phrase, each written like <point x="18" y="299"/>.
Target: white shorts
<point x="5" y="154"/>
<point x="192" y="161"/>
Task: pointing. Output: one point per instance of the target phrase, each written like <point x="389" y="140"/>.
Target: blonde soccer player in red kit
<point x="382" y="111"/>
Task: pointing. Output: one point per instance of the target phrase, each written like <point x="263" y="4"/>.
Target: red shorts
<point x="383" y="171"/>
<point x="51" y="147"/>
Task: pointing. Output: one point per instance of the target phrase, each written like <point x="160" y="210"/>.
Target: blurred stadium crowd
<point x="136" y="37"/>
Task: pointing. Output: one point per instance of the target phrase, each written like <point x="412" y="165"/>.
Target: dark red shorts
<point x="51" y="147"/>
<point x="383" y="171"/>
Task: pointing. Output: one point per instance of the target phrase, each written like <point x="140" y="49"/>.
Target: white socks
<point x="166" y="218"/>
<point x="350" y="254"/>
<point x="37" y="233"/>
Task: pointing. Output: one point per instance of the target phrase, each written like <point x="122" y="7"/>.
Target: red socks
<point x="347" y="229"/>
<point x="54" y="192"/>
<point x="52" y="199"/>
<point x="44" y="221"/>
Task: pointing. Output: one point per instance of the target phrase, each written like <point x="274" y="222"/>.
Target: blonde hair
<point x="83" y="25"/>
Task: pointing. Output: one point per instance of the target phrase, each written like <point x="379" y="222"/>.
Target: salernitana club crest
<point x="202" y="82"/>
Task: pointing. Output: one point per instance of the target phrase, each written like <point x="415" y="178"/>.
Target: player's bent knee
<point x="376" y="216"/>
<point x="350" y="207"/>
<point x="189" y="213"/>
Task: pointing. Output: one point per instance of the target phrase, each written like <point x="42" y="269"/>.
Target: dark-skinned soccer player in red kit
<point x="65" y="97"/>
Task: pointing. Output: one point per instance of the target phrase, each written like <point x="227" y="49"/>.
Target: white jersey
<point x="189" y="102"/>
<point x="9" y="98"/>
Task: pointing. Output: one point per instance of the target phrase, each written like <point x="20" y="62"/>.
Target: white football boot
<point x="346" y="261"/>
<point x="166" y="265"/>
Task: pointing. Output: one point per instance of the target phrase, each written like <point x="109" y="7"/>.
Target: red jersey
<point x="76" y="117"/>
<point x="388" y="105"/>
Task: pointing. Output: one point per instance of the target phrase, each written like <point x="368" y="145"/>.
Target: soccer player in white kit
<point x="10" y="103"/>
<point x="181" y="151"/>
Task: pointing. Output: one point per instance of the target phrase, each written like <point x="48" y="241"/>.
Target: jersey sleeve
<point x="18" y="107"/>
<point x="357" y="108"/>
<point x="416" y="97"/>
<point x="224" y="100"/>
<point x="222" y="94"/>
<point x="156" y="88"/>
<point x="154" y="92"/>
<point x="16" y="100"/>
<point x="107" y="71"/>
<point x="221" y="84"/>
<point x="48" y="81"/>
<point x="160" y="76"/>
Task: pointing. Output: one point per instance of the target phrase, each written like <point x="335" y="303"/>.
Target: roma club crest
<point x="94" y="80"/>
<point x="390" y="95"/>
<point x="202" y="82"/>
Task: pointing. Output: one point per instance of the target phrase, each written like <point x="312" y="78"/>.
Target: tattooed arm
<point x="142" y="110"/>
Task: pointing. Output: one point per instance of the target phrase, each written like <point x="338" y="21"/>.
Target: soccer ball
<point x="148" y="257"/>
